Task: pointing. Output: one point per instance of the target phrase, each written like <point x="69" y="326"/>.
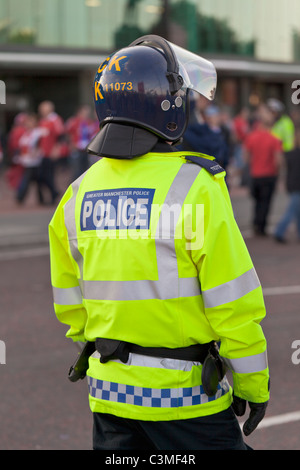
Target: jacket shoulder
<point x="212" y="166"/>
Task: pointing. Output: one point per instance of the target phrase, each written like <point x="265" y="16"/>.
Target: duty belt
<point x="207" y="354"/>
<point x="112" y="349"/>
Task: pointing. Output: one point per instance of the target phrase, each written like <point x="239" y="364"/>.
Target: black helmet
<point x="146" y="85"/>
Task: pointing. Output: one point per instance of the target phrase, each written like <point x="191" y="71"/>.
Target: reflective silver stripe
<point x="165" y="247"/>
<point x="140" y="290"/>
<point x="69" y="296"/>
<point x="231" y="290"/>
<point x="248" y="365"/>
<point x="70" y="223"/>
<point x="157" y="362"/>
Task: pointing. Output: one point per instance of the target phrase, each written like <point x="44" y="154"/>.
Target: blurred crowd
<point x="255" y="147"/>
<point x="38" y="143"/>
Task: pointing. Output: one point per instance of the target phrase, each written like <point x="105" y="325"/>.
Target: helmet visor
<point x="198" y="73"/>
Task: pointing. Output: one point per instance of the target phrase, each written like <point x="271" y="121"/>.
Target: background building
<point x="49" y="49"/>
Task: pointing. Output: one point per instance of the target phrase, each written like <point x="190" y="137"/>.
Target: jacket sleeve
<point x="67" y="296"/>
<point x="232" y="296"/>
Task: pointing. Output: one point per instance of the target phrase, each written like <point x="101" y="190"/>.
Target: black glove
<point x="257" y="412"/>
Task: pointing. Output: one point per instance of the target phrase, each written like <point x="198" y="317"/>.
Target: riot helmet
<point x="146" y="86"/>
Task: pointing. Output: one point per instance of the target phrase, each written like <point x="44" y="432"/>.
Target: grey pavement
<point x="24" y="229"/>
<point x="243" y="208"/>
<point x="25" y="225"/>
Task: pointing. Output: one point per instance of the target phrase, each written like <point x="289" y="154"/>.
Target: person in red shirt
<point x="15" y="171"/>
<point x="16" y="132"/>
<point x="29" y="158"/>
<point x="263" y="152"/>
<point x="241" y="125"/>
<point x="49" y="144"/>
<point x="51" y="121"/>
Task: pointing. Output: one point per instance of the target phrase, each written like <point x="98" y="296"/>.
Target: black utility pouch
<point x="213" y="370"/>
<point x="112" y="349"/>
<point x="78" y="369"/>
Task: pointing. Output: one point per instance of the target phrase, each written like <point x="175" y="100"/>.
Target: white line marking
<point x="27" y="253"/>
<point x="279" y="419"/>
<point x="281" y="290"/>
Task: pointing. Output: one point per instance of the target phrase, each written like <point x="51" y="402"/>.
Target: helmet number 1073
<point x="117" y="86"/>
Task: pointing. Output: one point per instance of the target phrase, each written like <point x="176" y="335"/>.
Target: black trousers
<point x="31" y="175"/>
<point x="220" y="431"/>
<point x="262" y="190"/>
<point x="47" y="177"/>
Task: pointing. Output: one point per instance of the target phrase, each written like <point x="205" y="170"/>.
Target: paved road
<point x="279" y="270"/>
<point x="40" y="409"/>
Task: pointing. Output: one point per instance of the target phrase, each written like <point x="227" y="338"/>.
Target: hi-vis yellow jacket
<point x="148" y="251"/>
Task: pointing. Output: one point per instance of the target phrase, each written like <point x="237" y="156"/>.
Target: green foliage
<point x="211" y="35"/>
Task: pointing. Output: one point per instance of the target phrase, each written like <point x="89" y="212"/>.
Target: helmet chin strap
<point x="179" y="141"/>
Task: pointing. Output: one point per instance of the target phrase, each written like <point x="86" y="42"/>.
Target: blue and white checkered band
<point x="152" y="397"/>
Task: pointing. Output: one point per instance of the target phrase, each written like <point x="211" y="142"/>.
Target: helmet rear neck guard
<point x="122" y="141"/>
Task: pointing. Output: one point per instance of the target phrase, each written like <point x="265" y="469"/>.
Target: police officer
<point x="149" y="267"/>
<point x="283" y="127"/>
